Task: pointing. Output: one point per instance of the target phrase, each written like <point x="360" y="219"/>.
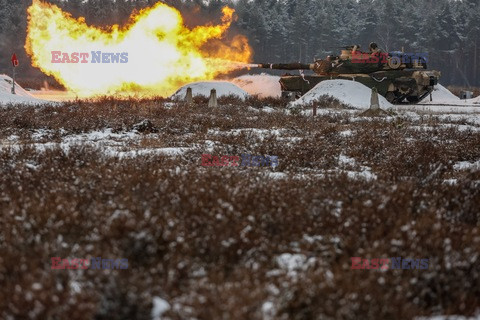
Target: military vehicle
<point x="399" y="77"/>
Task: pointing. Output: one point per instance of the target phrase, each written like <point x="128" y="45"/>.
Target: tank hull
<point x="397" y="86"/>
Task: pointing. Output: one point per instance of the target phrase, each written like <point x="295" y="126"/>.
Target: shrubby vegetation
<point x="213" y="241"/>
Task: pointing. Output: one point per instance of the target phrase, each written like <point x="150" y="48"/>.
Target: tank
<point x="399" y="77"/>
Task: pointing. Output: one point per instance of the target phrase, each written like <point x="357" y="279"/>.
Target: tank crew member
<point x="377" y="53"/>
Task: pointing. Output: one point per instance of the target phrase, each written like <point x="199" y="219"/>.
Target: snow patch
<point x="345" y="160"/>
<point x="346" y="133"/>
<point x="260" y="133"/>
<point x="441" y="95"/>
<point x="110" y="143"/>
<point x="432" y="109"/>
<point x="268" y="109"/>
<point x="348" y="92"/>
<point x="21" y="96"/>
<point x="465" y="165"/>
<point x="160" y="306"/>
<point x="277" y="175"/>
<point x="291" y="262"/>
<point x="366" y="174"/>
<point x="268" y="310"/>
<point x="203" y="88"/>
<point x="171" y="152"/>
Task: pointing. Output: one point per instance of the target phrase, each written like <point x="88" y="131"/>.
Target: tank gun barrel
<point x="286" y="66"/>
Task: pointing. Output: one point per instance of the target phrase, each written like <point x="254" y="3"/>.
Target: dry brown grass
<point x="206" y="239"/>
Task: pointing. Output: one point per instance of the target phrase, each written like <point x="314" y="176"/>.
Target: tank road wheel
<point x="391" y="96"/>
<point x="413" y="99"/>
<point x="291" y="95"/>
<point x="394" y="63"/>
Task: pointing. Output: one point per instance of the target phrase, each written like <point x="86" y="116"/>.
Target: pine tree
<point x="389" y="25"/>
<point x="300" y="25"/>
<point x="410" y="25"/>
<point x="368" y="20"/>
<point x="75" y="7"/>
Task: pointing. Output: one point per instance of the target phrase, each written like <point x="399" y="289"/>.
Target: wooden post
<point x="189" y="96"/>
<point x="13" y="85"/>
<point x="14" y="64"/>
<point x="213" y="99"/>
<point x="374" y="102"/>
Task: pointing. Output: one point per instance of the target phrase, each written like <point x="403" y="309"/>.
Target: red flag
<point x="14" y="60"/>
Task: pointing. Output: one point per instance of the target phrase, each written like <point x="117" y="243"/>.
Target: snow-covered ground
<point x="123" y="145"/>
<point x="358" y="96"/>
<point x="291" y="263"/>
<point x="130" y="143"/>
<point x="437" y="109"/>
<point x="442" y="96"/>
<point x="349" y="92"/>
<point x="21" y="96"/>
<point x="261" y="85"/>
<point x="160" y="306"/>
<point x="203" y="88"/>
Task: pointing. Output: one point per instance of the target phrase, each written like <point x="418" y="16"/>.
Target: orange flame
<point x="163" y="53"/>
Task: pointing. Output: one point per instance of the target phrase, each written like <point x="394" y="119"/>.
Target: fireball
<point x="158" y="52"/>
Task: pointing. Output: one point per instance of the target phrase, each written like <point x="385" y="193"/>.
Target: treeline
<point x="300" y="30"/>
